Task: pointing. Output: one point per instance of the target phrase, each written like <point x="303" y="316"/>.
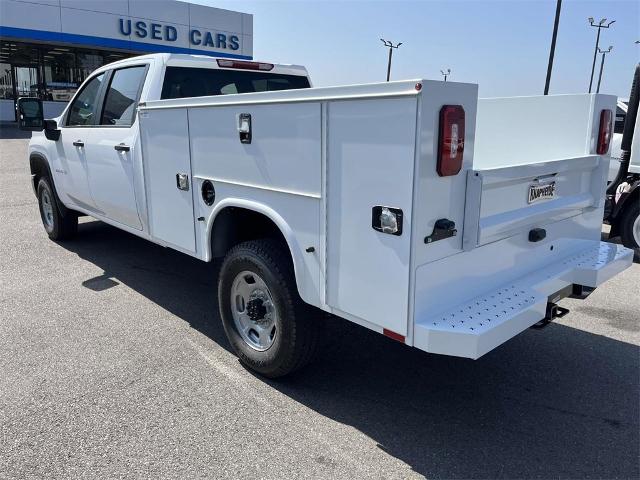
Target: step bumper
<point x="476" y="327"/>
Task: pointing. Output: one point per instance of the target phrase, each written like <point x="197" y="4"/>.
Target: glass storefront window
<point x="52" y="73"/>
<point x="60" y="78"/>
<point x="87" y="63"/>
<point x="6" y="82"/>
<point x="27" y="81"/>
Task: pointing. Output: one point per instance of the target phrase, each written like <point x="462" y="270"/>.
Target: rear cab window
<point x="182" y="82"/>
<point x="122" y="96"/>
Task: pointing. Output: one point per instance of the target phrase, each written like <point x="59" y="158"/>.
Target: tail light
<point x="451" y="140"/>
<point x="604" y="132"/>
<point x="244" y="65"/>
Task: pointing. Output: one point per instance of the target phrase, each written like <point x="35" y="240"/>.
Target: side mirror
<point x="30" y="116"/>
<point x="51" y="130"/>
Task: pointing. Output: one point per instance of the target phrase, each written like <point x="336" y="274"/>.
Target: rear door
<point x="111" y="147"/>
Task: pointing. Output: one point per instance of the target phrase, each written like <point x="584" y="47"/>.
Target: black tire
<point x="58" y="226"/>
<point x="297" y="326"/>
<point x="627" y="220"/>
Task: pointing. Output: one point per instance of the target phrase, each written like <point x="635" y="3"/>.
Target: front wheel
<point x="270" y="328"/>
<point x="630" y="225"/>
<point x="58" y="226"/>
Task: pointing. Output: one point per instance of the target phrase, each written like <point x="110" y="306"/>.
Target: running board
<point x="478" y="326"/>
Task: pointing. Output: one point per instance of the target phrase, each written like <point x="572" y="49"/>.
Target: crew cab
<point x="443" y="221"/>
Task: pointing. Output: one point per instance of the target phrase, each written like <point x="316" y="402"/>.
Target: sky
<point x="503" y="46"/>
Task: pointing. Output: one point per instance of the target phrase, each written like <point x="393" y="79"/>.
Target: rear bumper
<point x="476" y="327"/>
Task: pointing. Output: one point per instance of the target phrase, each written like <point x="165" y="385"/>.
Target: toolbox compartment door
<point x="165" y="151"/>
<point x="370" y="162"/>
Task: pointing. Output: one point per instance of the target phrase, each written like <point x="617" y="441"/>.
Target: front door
<point x="76" y="132"/>
<point x="111" y="148"/>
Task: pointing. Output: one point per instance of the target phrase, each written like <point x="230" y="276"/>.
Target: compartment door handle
<point x="122" y="147"/>
<point x="244" y="127"/>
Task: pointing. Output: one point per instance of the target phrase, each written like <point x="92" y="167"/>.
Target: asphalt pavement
<point x="114" y="364"/>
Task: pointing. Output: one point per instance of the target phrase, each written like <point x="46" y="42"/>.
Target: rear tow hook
<point x="553" y="311"/>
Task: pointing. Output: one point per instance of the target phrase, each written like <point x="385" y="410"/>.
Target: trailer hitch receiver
<point x="553" y="311"/>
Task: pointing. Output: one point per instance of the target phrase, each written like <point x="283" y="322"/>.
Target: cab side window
<point x="84" y="108"/>
<point x="122" y="96"/>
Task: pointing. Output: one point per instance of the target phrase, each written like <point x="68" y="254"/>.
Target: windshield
<point x="181" y="82"/>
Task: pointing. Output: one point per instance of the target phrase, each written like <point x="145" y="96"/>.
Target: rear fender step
<point x="472" y="328"/>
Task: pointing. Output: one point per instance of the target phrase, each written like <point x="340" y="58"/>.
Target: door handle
<point x="78" y="143"/>
<point x="122" y="147"/>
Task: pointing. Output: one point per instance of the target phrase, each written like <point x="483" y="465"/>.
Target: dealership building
<point x="48" y="47"/>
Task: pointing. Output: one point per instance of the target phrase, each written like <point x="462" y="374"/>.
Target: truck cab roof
<point x="205" y="61"/>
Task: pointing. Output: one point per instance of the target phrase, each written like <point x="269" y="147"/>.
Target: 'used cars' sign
<point x="169" y="33"/>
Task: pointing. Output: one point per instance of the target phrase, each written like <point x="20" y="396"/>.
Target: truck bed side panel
<point x="522" y="130"/>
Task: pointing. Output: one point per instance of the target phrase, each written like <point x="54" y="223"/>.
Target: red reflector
<point x="244" y="65"/>
<point x="604" y="132"/>
<point x="394" y="335"/>
<point x="450" y="140"/>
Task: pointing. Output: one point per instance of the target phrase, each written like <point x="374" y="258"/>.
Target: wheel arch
<point x="39" y="167"/>
<point x="221" y="234"/>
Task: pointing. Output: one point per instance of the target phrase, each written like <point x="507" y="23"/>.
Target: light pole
<point x="391" y="46"/>
<point x="603" y="52"/>
<point x="552" y="50"/>
<point x="446" y="73"/>
<point x="599" y="25"/>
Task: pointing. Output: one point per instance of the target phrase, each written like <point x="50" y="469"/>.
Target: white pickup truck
<point x="413" y="208"/>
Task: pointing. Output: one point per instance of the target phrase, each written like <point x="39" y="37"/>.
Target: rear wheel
<point x="270" y="328"/>
<point x="630" y="225"/>
<point x="58" y="226"/>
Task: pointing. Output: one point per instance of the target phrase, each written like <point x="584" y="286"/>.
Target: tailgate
<point x="502" y="202"/>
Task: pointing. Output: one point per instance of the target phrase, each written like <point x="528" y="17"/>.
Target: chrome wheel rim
<point x="47" y="210"/>
<point x="253" y="310"/>
<point x="636" y="230"/>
